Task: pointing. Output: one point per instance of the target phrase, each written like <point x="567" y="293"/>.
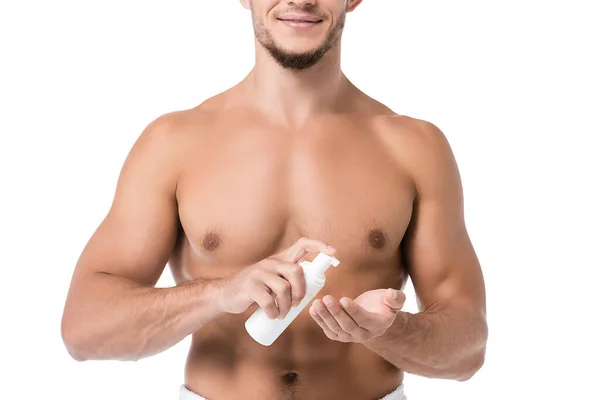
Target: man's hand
<point x="275" y="283"/>
<point x="358" y="320"/>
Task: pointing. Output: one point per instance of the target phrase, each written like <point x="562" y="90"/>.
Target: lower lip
<point x="300" y="25"/>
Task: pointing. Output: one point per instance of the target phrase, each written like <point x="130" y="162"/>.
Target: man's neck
<point x="293" y="97"/>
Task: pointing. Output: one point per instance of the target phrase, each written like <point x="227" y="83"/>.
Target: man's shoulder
<point x="170" y="136"/>
<point x="199" y="121"/>
<point x="179" y="123"/>
<point x="178" y="129"/>
<point x="419" y="146"/>
<point x="403" y="128"/>
<point x="411" y="137"/>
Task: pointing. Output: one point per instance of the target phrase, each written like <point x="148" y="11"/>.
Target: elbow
<point x="76" y="353"/>
<point x="73" y="346"/>
<point x="75" y="341"/>
<point x="470" y="367"/>
<point x="83" y="345"/>
<point x="472" y="364"/>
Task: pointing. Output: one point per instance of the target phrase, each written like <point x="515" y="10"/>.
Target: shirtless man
<point x="233" y="193"/>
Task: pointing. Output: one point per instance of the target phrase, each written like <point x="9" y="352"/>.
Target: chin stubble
<point x="298" y="61"/>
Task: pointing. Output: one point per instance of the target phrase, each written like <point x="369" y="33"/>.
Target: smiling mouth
<point x="300" y="20"/>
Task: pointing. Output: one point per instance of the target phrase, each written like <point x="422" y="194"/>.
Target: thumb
<point x="394" y="299"/>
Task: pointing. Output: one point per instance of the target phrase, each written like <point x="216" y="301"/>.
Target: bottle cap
<point x="321" y="262"/>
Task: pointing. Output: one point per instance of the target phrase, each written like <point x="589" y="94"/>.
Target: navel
<point x="290" y="378"/>
<point x="376" y="239"/>
<point x="211" y="241"/>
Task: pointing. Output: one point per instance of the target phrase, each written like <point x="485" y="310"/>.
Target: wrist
<point x="396" y="330"/>
<point x="212" y="290"/>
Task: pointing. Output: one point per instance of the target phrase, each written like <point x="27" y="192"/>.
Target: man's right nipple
<point x="211" y="241"/>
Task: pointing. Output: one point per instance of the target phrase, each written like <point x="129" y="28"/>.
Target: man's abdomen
<point x="225" y="363"/>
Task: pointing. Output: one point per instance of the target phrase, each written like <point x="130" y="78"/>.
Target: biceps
<point x="136" y="237"/>
<point x="133" y="242"/>
<point x="441" y="260"/>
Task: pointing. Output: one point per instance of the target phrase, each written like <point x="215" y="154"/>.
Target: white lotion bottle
<point x="265" y="330"/>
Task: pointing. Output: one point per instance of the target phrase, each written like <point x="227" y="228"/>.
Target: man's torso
<point x="250" y="187"/>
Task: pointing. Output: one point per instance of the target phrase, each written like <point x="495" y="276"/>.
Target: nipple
<point x="211" y="241"/>
<point x="376" y="239"/>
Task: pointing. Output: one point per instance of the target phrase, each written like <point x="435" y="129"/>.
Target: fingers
<point x="395" y="299"/>
<point x="362" y="317"/>
<point x="315" y="314"/>
<point x="340" y="322"/>
<point x="284" y="281"/>
<point x="281" y="288"/>
<point x="345" y="321"/>
<point x="294" y="274"/>
<point x="335" y="322"/>
<point x="299" y="249"/>
<point x="261" y="294"/>
<point x="281" y="277"/>
<point x="329" y="319"/>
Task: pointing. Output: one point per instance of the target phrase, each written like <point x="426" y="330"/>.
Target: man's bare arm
<point x="113" y="310"/>
<point x="447" y="338"/>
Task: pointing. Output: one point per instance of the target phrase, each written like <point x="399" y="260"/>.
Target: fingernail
<point x="328" y="301"/>
<point x="331" y="249"/>
<point x="345" y="302"/>
<point x="318" y="305"/>
<point x="394" y="294"/>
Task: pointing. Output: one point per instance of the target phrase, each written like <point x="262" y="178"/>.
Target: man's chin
<point x="295" y="51"/>
<point x="299" y="55"/>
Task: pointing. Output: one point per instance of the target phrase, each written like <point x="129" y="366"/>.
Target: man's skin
<point x="233" y="193"/>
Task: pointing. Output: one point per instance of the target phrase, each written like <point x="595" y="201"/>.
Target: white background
<point x="514" y="85"/>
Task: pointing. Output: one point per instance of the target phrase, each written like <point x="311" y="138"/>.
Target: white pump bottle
<point x="265" y="330"/>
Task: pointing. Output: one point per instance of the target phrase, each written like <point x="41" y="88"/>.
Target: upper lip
<point x="299" y="17"/>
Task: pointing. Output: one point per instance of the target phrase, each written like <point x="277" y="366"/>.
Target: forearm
<point x="120" y="319"/>
<point x="448" y="343"/>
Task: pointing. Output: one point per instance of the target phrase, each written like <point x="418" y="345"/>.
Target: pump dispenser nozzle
<point x="321" y="262"/>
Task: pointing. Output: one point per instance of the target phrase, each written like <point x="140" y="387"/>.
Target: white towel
<point x="186" y="394"/>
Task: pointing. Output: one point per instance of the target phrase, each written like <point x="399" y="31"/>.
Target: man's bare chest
<point x="251" y="195"/>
